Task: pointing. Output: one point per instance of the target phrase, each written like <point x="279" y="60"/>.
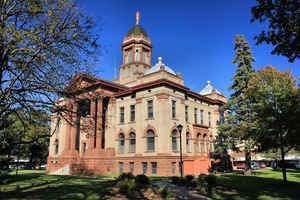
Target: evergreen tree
<point x="237" y="129"/>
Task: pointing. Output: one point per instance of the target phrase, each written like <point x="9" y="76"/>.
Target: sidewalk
<point x="181" y="192"/>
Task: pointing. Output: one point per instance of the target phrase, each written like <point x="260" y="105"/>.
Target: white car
<point x="297" y="165"/>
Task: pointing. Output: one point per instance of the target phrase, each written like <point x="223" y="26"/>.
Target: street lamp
<point x="179" y="127"/>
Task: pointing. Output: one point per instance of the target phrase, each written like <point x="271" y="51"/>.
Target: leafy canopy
<point x="283" y="20"/>
<point x="43" y="44"/>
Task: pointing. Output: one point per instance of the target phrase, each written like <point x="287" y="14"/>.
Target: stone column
<point x="99" y="124"/>
<point x="91" y="125"/>
<point x="73" y="125"/>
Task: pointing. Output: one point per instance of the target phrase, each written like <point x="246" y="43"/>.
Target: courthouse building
<point x="130" y="124"/>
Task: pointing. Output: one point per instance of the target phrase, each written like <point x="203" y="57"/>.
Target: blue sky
<point x="194" y="37"/>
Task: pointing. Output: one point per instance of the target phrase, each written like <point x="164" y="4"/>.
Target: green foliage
<point x="277" y="110"/>
<point x="125" y="176"/>
<point x="127" y="186"/>
<point x="165" y="192"/>
<point x="26" y="137"/>
<point x="142" y="181"/>
<point x="238" y="126"/>
<point x="4" y="167"/>
<point x="189" y="181"/>
<point x="283" y="19"/>
<point x="206" y="183"/>
<point x="44" y="43"/>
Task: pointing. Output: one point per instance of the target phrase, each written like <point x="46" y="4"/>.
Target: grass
<point x="32" y="184"/>
<point x="263" y="185"/>
<point x="37" y="184"/>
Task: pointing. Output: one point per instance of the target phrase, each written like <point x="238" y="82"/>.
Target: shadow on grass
<point x="255" y="187"/>
<point x="61" y="187"/>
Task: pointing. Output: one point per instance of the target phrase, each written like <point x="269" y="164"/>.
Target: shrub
<point x="142" y="181"/>
<point x="189" y="181"/>
<point x="206" y="183"/>
<point x="211" y="180"/>
<point x="165" y="192"/>
<point x="124" y="176"/>
<point x="127" y="186"/>
<point x="4" y="168"/>
<point x="175" y="180"/>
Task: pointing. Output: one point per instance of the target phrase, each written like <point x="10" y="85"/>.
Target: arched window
<point x="211" y="145"/>
<point x="129" y="57"/>
<point x="144" y="57"/>
<point x="198" y="146"/>
<point x="131" y="142"/>
<point x="204" y="144"/>
<point x="56" y="143"/>
<point x="150" y="140"/>
<point x="174" y="140"/>
<point x="121" y="143"/>
<point x="137" y="55"/>
<point x="188" y="142"/>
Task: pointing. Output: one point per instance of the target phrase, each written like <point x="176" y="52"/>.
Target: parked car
<point x="240" y="165"/>
<point x="254" y="165"/>
<point x="262" y="165"/>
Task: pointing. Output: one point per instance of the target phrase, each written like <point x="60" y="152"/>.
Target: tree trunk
<point x="283" y="160"/>
<point x="247" y="171"/>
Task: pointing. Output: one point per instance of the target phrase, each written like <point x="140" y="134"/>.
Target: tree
<point x="43" y="44"/>
<point x="283" y="19"/>
<point x="277" y="111"/>
<point x="237" y="128"/>
<point x="27" y="139"/>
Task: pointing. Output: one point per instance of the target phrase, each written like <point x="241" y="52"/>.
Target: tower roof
<point x="209" y="89"/>
<point x="137" y="30"/>
<point x="160" y="66"/>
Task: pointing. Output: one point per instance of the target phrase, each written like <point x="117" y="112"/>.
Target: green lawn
<point x="37" y="184"/>
<point x="264" y="185"/>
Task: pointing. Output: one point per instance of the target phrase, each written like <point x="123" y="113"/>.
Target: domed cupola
<point x="136" y="30"/>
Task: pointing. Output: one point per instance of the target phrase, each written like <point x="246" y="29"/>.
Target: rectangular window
<point x="145" y="69"/>
<point x="144" y="57"/>
<point x="186" y="113"/>
<point x="129" y="57"/>
<point x="124" y="72"/>
<point x="84" y="148"/>
<point x="173" y="109"/>
<point x="201" y="117"/>
<point x="131" y="167"/>
<point x="144" y="167"/>
<point x="132" y="113"/>
<point x="150" y="109"/>
<point x="153" y="167"/>
<point x="174" y="167"/>
<point x="209" y="119"/>
<point x="120" y="167"/>
<point x="195" y="115"/>
<point x="136" y="68"/>
<point x="128" y="71"/>
<point x="121" y="115"/>
<point x="221" y="118"/>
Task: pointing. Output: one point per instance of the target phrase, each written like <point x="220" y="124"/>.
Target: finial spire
<point x="137" y="17"/>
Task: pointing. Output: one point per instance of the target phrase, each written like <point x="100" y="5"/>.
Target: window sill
<point x="131" y="122"/>
<point x="175" y="151"/>
<point x="175" y="119"/>
<point x="150" y="118"/>
<point x="150" y="151"/>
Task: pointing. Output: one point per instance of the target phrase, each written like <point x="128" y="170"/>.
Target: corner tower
<point x="136" y="49"/>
